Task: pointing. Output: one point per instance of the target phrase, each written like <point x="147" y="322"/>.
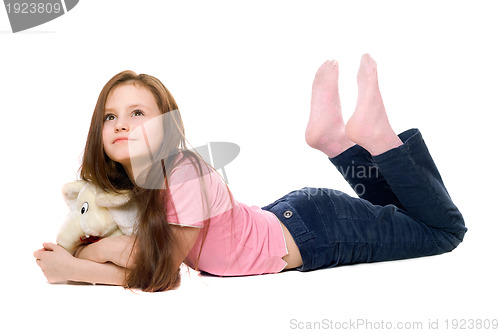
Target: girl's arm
<point x="59" y="265"/>
<point x="106" y="261"/>
<point x="93" y="272"/>
<point x="186" y="238"/>
<point x="117" y="250"/>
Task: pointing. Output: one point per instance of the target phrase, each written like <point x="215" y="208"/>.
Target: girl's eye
<point x="109" y="117"/>
<point x="137" y="113"/>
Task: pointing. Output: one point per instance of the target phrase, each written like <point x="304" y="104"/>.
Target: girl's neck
<point x="137" y="173"/>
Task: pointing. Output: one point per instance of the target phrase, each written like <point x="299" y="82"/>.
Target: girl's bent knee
<point x="456" y="238"/>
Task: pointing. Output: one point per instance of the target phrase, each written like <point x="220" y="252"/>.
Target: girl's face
<point x="132" y="130"/>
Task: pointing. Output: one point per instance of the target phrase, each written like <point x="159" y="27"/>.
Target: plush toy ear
<point x="70" y="192"/>
<point x="105" y="199"/>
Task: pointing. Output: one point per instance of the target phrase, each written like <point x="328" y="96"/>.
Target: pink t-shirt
<point x="241" y="239"/>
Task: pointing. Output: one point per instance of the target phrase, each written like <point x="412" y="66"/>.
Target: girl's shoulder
<point x="188" y="166"/>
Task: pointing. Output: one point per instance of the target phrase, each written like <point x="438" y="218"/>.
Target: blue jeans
<point x="403" y="210"/>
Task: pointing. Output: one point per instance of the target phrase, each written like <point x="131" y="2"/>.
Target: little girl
<point x="187" y="214"/>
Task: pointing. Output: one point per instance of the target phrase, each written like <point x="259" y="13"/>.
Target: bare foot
<point x="325" y="129"/>
<point x="369" y="126"/>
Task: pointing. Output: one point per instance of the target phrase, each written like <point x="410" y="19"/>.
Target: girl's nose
<point x="121" y="127"/>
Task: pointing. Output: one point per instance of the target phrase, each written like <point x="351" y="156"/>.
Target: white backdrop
<point x="242" y="72"/>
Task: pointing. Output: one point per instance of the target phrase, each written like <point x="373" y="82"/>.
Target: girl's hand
<point x="56" y="263"/>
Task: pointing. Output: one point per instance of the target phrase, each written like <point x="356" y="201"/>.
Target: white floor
<point x="242" y="72"/>
<point x="384" y="295"/>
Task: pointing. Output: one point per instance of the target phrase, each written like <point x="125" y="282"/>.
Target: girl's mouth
<point x="120" y="140"/>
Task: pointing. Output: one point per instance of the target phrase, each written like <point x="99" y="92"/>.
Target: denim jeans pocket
<point x="292" y="219"/>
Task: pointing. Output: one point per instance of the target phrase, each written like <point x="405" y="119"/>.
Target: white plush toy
<point x="95" y="214"/>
